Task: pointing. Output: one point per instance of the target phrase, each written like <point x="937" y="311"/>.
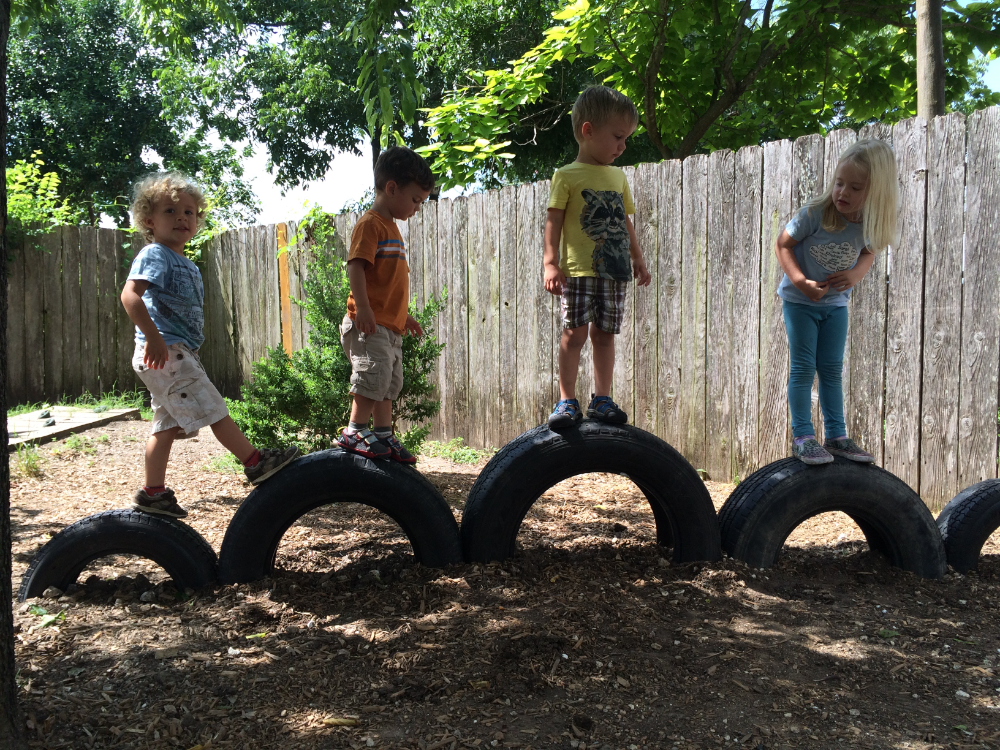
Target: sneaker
<point x="161" y="504"/>
<point x="566" y="414"/>
<point x="848" y="449"/>
<point x="811" y="452"/>
<point x="603" y="409"/>
<point x="399" y="452"/>
<point x="271" y="462"/>
<point x="364" y="443"/>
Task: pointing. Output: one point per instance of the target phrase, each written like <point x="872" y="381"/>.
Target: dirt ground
<point x="588" y="639"/>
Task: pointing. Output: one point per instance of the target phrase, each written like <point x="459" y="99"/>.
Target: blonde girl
<point x="825" y="250"/>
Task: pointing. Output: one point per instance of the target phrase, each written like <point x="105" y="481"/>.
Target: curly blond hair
<point x="153" y="187"/>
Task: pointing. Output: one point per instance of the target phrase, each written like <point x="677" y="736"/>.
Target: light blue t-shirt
<point x="175" y="296"/>
<point x="820" y="253"/>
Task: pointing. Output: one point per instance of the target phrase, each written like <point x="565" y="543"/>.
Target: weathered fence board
<point x="942" y="309"/>
<point x="72" y="337"/>
<point x="52" y="290"/>
<point x="17" y="391"/>
<point x="507" y="308"/>
<point x="645" y="346"/>
<point x="668" y="302"/>
<point x="694" y="288"/>
<point x="89" y="341"/>
<point x="34" y="313"/>
<point x="623" y="382"/>
<point x="977" y="436"/>
<point x="107" y="310"/>
<point x="125" y="250"/>
<point x="532" y="313"/>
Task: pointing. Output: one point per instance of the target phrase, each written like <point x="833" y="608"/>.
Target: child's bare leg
<point x="157" y="454"/>
<point x="570" y="346"/>
<point x="233" y="439"/>
<point x="362" y="408"/>
<point x="604" y="360"/>
<point x="382" y="414"/>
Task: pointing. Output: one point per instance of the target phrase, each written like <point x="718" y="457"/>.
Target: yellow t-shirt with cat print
<point x="595" y="239"/>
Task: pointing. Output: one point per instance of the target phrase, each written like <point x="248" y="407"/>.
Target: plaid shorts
<point x="590" y="299"/>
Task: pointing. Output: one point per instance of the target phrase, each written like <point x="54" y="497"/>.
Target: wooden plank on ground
<point x="107" y="309"/>
<point x="52" y="324"/>
<point x="942" y="351"/>
<point x="507" y="308"/>
<point x="720" y="351"/>
<point x="977" y="436"/>
<point x="623" y="383"/>
<point x="72" y="370"/>
<point x="34" y="314"/>
<point x="668" y="177"/>
<point x="645" y="338"/>
<point x="746" y="307"/>
<point x="15" y="324"/>
<point x="807" y="183"/>
<point x="89" y="338"/>
<point x="904" y="331"/>
<point x="864" y="389"/>
<point x="458" y="272"/>
<point x="694" y="295"/>
<point x="126" y="379"/>
<point x="776" y="209"/>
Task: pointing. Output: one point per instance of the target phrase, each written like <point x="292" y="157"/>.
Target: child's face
<point x="174" y="224"/>
<point x="606" y="142"/>
<point x="403" y="202"/>
<point x="850" y="188"/>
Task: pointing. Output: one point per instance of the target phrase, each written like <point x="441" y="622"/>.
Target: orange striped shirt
<point x="378" y="241"/>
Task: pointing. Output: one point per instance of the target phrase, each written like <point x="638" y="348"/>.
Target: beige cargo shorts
<point x="183" y="396"/>
<point x="376" y="361"/>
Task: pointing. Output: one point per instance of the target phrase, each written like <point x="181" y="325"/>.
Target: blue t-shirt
<point x="820" y="253"/>
<point x="175" y="296"/>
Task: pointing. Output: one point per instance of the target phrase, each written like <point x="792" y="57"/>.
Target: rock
<point x="961" y="694"/>
<point x="52" y="593"/>
<point x="147" y="596"/>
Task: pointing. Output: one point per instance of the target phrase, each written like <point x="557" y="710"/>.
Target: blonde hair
<point x="880" y="212"/>
<point x="151" y="188"/>
<point x="599" y="104"/>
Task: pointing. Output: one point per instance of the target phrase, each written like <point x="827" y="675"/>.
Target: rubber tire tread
<point x="336" y="476"/>
<point x="530" y="464"/>
<point x="968" y="521"/>
<point x="768" y="505"/>
<point x="177" y="548"/>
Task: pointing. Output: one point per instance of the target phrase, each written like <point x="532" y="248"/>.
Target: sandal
<point x="364" y="443"/>
<point x="603" y="409"/>
<point x="566" y="414"/>
<point x="399" y="452"/>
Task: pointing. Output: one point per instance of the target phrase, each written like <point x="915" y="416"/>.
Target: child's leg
<point x="802" y="330"/>
<point x="362" y="409"/>
<point x="570" y="345"/>
<point x="604" y="359"/>
<point x="157" y="454"/>
<point x="382" y="416"/>
<point x="233" y="439"/>
<point x="831" y="339"/>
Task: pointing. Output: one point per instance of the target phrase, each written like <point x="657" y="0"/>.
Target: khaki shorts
<point x="376" y="361"/>
<point x="183" y="396"/>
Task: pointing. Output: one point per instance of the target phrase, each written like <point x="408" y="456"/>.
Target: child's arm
<point x="844" y="280"/>
<point x="364" y="316"/>
<point x="554" y="277"/>
<point x="784" y="248"/>
<point x="639" y="270"/>
<point x="155" y="357"/>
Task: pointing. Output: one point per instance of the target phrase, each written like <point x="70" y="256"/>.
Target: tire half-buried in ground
<point x="334" y="476"/>
<point x="177" y="548"/>
<point x="529" y="465"/>
<point x="968" y="521"/>
<point x="769" y="504"/>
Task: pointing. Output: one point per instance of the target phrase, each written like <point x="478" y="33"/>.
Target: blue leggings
<point x="816" y="339"/>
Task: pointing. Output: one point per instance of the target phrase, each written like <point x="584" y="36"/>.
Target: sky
<point x="350" y="176"/>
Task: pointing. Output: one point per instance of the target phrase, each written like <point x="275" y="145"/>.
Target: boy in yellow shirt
<point x="591" y="250"/>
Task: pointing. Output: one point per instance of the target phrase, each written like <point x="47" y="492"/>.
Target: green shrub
<point x="305" y="398"/>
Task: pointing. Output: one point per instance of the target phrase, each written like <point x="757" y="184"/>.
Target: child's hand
<point x="844" y="280"/>
<point x="364" y="319"/>
<point x="642" y="275"/>
<point x="155" y="356"/>
<point x="413" y="327"/>
<point x="814" y="290"/>
<point x="555" y="279"/>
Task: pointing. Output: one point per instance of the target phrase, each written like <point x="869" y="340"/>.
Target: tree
<point x="83" y="91"/>
<point x="710" y="74"/>
<point x="930" y="59"/>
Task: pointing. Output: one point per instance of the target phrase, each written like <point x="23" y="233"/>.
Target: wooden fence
<point x="702" y="360"/>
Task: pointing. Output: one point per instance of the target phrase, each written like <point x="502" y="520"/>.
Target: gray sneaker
<point x="271" y="462"/>
<point x="161" y="504"/>
<point x="811" y="452"/>
<point x="849" y="449"/>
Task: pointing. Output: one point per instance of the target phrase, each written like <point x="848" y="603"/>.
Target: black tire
<point x="540" y="458"/>
<point x="968" y="521"/>
<point x="769" y="504"/>
<point x="177" y="548"/>
<point x="335" y="476"/>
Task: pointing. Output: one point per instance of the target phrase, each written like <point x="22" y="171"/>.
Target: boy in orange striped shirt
<point x="372" y="331"/>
